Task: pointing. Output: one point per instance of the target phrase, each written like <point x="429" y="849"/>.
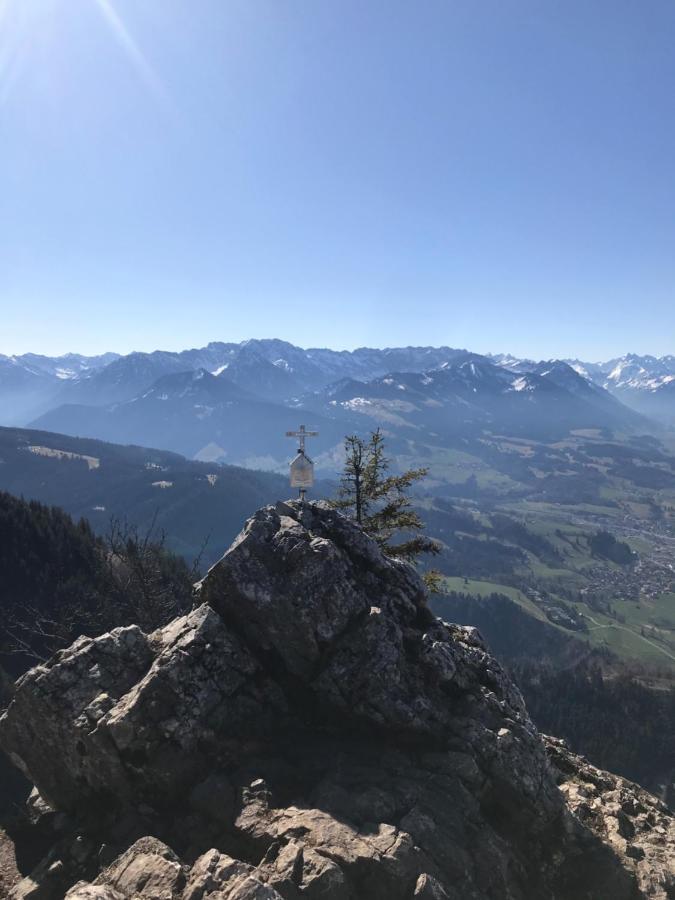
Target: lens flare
<point x="24" y="22"/>
<point x="121" y="34"/>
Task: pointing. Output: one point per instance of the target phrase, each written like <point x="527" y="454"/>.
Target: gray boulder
<point x="309" y="730"/>
<point x="638" y="827"/>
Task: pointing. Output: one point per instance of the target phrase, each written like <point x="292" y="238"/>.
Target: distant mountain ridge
<point x="278" y="367"/>
<point x="472" y="393"/>
<point x="645" y="383"/>
<point x="203" y="416"/>
<point x="240" y="409"/>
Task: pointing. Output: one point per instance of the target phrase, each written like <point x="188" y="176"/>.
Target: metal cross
<point x="301" y="434"/>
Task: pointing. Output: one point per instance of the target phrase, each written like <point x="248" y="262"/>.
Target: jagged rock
<point x="212" y="872"/>
<point x="382" y="859"/>
<point x="216" y="876"/>
<point x="638" y="826"/>
<point x="37" y="808"/>
<point x="148" y="870"/>
<point x="83" y="891"/>
<point x="45" y="882"/>
<point x="296" y="870"/>
<point x="427" y="888"/>
<point x="130" y="727"/>
<point x="58" y="704"/>
<point x="311" y="731"/>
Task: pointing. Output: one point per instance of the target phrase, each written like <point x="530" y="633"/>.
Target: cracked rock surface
<point x="636" y="825"/>
<point x="311" y="730"/>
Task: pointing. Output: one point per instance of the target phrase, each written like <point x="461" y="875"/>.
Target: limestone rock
<point x="148" y="870"/>
<point x="635" y="824"/>
<point x="216" y="876"/>
<point x="83" y="891"/>
<point x="58" y="705"/>
<point x="311" y="731"/>
<point x="427" y="888"/>
<point x="130" y="726"/>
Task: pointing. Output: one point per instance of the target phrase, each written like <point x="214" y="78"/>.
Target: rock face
<point x="311" y="730"/>
<point x="636" y="825"/>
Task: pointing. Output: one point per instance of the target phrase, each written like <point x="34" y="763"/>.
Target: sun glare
<point x="24" y="22"/>
<point x="135" y="55"/>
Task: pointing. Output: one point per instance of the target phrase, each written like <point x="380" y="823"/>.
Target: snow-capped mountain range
<point x="221" y="400"/>
<point x="644" y="383"/>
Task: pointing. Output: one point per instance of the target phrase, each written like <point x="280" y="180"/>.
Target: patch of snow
<point x="615" y="374"/>
<point x="220" y="369"/>
<point x="356" y="403"/>
<point x="163" y="485"/>
<point x="653" y="384"/>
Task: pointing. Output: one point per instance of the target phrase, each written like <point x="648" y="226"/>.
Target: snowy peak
<point x="565" y="376"/>
<point x="513" y="363"/>
<point x="279" y="372"/>
<point x="474" y="392"/>
<point x="641" y="373"/>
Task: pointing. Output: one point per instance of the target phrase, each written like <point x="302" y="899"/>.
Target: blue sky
<point x="491" y="174"/>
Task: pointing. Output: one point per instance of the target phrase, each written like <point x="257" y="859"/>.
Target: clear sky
<point x="494" y="174"/>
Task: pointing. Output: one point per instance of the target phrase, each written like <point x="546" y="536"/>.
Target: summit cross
<point x="301" y="434"/>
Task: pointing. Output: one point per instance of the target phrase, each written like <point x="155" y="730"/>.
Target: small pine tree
<point x="352" y="494"/>
<point x="379" y="501"/>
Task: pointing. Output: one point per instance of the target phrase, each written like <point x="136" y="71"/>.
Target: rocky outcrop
<point x="308" y="730"/>
<point x="636" y="825"/>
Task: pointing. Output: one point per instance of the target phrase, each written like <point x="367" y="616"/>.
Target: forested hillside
<point x="192" y="502"/>
<point x="58" y="580"/>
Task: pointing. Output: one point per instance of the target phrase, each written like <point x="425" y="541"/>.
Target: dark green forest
<point x="604" y="545"/>
<point x="192" y="502"/>
<point x="59" y="580"/>
<point x="613" y="719"/>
